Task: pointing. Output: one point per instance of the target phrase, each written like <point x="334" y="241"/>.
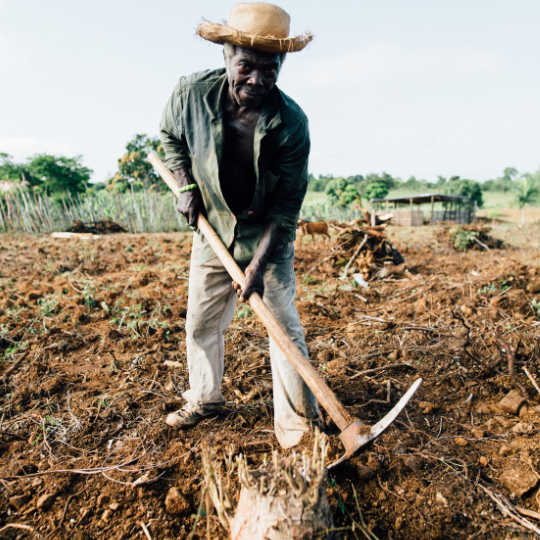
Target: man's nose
<point x="256" y="79"/>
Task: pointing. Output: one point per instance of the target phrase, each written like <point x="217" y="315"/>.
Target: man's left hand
<point x="254" y="283"/>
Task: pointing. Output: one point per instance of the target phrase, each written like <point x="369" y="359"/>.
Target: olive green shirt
<point x="192" y="136"/>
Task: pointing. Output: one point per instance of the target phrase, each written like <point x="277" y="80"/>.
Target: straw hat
<point x="259" y="26"/>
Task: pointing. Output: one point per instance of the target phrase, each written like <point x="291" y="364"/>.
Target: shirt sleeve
<point x="285" y="201"/>
<point x="172" y="131"/>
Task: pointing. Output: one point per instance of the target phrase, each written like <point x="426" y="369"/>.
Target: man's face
<point x="252" y="74"/>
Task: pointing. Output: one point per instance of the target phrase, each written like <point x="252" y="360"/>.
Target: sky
<point x="410" y="87"/>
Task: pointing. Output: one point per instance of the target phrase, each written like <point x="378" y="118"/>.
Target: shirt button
<point x="250" y="213"/>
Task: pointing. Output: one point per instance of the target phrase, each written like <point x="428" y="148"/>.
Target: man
<point x="238" y="148"/>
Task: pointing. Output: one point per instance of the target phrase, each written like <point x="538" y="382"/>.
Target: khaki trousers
<point x="211" y="305"/>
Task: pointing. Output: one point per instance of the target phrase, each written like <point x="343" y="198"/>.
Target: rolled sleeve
<point x="172" y="132"/>
<point x="285" y="201"/>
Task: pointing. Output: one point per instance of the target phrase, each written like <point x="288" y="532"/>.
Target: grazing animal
<point x="313" y="228"/>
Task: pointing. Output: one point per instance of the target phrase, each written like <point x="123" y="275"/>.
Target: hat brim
<point x="221" y="34"/>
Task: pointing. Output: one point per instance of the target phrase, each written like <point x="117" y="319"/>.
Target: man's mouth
<point x="251" y="92"/>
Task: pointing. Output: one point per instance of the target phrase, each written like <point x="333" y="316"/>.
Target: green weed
<point x="487" y="289"/>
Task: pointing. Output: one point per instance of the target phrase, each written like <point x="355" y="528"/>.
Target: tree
<point x="376" y="190"/>
<point x="318" y="184"/>
<point x="15" y="173"/>
<point x="339" y="191"/>
<point x="464" y="188"/>
<point x="134" y="167"/>
<point x="503" y="183"/>
<point x="526" y="193"/>
<point x="57" y="174"/>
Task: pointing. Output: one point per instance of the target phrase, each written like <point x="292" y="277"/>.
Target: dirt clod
<point x="18" y="501"/>
<point x="45" y="501"/>
<point x="519" y="478"/>
<point x="427" y="406"/>
<point x="175" y="502"/>
<point x="365" y="473"/>
<point x="512" y="402"/>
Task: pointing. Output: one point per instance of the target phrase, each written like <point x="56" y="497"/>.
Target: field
<point x="92" y="346"/>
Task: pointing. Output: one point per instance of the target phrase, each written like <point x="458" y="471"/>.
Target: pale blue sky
<point x="411" y="87"/>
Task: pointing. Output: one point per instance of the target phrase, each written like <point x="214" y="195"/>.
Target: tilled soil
<point x="93" y="357"/>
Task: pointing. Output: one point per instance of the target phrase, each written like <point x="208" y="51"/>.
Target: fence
<point x="138" y="212"/>
<point x="327" y="212"/>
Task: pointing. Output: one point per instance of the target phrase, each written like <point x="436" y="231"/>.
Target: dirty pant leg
<point x="295" y="406"/>
<point x="211" y="304"/>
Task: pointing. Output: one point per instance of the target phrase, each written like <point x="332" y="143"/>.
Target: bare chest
<point x="239" y="137"/>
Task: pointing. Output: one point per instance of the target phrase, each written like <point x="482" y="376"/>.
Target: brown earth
<point x="87" y="327"/>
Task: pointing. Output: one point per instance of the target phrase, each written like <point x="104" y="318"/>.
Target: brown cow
<point x="317" y="227"/>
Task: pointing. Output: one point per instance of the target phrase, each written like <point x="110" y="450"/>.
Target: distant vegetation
<point x="59" y="187"/>
<point x="45" y="174"/>
<point x="524" y="189"/>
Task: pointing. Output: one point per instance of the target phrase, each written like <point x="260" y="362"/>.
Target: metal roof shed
<point x="454" y="208"/>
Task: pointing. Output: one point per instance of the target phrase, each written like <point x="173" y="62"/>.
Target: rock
<point x="175" y="502"/>
<point x="106" y="515"/>
<point x="524" y="411"/>
<point x="512" y="402"/>
<point x="477" y="433"/>
<point x="519" y="478"/>
<point x="18" y="501"/>
<point x="522" y="427"/>
<point x="460" y="441"/>
<point x="114" y="506"/>
<point x="427" y="406"/>
<point x="483" y="461"/>
<point x="45" y="501"/>
<point x="86" y="513"/>
<point x="441" y="499"/>
<point x="365" y="473"/>
<point x="324" y="356"/>
<point x="483" y="409"/>
<point x="505" y="450"/>
<point x="102" y="500"/>
<point x="412" y="463"/>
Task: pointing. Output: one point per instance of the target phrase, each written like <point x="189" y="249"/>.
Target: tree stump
<point x="285" y="498"/>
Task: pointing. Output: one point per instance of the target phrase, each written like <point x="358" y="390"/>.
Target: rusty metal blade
<point x="380" y="426"/>
<point x="353" y="439"/>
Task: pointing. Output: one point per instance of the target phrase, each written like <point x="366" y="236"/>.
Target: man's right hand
<point x="189" y="203"/>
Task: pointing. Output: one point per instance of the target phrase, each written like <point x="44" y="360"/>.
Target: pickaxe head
<point x="359" y="434"/>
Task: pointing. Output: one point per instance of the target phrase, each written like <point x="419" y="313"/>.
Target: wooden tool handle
<point x="310" y="375"/>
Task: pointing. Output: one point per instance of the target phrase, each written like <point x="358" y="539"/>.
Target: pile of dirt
<point x="363" y="249"/>
<point x="105" y="226"/>
<point x="466" y="237"/>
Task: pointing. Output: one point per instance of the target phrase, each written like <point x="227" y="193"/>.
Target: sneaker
<point x="184" y="419"/>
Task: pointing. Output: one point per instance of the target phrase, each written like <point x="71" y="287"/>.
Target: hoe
<point x="354" y="435"/>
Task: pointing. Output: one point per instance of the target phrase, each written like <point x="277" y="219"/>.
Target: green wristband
<point x="187" y="188"/>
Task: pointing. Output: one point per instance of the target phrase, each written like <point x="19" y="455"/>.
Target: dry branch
<point x="511" y="363"/>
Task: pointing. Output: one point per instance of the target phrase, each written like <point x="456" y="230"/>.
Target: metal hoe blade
<point x="353" y="438"/>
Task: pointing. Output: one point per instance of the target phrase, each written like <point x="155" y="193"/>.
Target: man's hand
<point x="189" y="203"/>
<point x="271" y="237"/>
<point x="254" y="283"/>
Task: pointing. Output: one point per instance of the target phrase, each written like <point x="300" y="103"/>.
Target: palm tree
<point x="526" y="193"/>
